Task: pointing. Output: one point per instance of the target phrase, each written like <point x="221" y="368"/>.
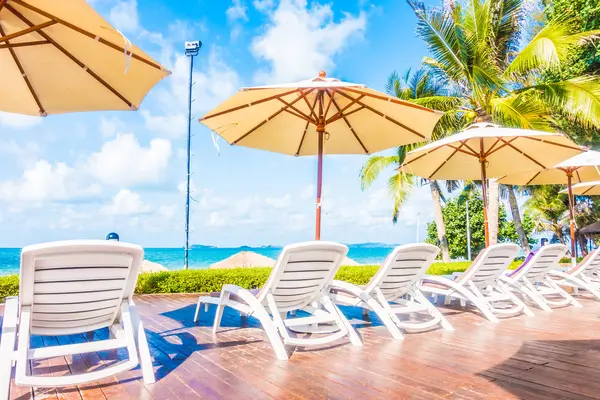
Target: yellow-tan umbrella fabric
<point x="61" y="56"/>
<point x="319" y="116"/>
<point x="583" y="167"/>
<point x="485" y="151"/>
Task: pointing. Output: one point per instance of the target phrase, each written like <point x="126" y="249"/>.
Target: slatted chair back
<point x="539" y="266"/>
<point x="77" y="286"/>
<point x="489" y="265"/>
<point x="590" y="265"/>
<point x="405" y="266"/>
<point x="301" y="273"/>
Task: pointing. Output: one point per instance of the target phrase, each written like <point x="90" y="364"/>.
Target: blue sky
<point x="83" y="175"/>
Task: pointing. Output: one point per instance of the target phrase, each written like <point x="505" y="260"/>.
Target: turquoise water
<point x="172" y="258"/>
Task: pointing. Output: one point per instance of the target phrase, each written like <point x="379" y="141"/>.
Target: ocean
<point x="203" y="257"/>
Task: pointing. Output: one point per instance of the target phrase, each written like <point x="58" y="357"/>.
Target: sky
<point x="83" y="175"/>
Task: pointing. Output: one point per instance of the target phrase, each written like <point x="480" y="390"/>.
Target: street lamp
<point x="191" y="50"/>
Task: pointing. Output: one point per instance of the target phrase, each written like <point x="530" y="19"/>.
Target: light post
<point x="468" y="234"/>
<point x="191" y="50"/>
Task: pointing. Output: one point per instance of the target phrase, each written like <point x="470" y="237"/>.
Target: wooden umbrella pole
<point x="571" y="215"/>
<point x="320" y="134"/>
<point x="485" y="202"/>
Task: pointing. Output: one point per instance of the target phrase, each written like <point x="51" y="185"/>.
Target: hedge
<point x="211" y="280"/>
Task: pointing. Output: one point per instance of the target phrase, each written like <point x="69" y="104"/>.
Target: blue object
<point x="112" y="236"/>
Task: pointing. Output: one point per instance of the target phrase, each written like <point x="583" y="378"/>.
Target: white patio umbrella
<point x="486" y="150"/>
<point x="319" y="116"/>
<point x="585" y="189"/>
<point x="583" y="167"/>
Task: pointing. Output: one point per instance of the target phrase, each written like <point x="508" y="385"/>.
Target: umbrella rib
<point x="500" y="147"/>
<point x="353" y="111"/>
<point x="339" y="114"/>
<point x="462" y="150"/>
<point x="263" y="100"/>
<point x="328" y="104"/>
<point x="72" y="57"/>
<point x="23" y="32"/>
<point x="525" y="155"/>
<point x="302" y="117"/>
<point x="85" y="33"/>
<point x="2" y="3"/>
<point x="266" y="120"/>
<point x="307" y="124"/>
<point x="474" y="153"/>
<point x="392" y="100"/>
<point x="578" y="176"/>
<point x="421" y="156"/>
<point x="492" y="146"/>
<point x="24" y="75"/>
<point x="23" y="44"/>
<point x="312" y="109"/>
<point x="446" y="160"/>
<point x="552" y="143"/>
<point x="350" y="126"/>
<point x="383" y="115"/>
<point x="535" y="176"/>
<point x="300" y="113"/>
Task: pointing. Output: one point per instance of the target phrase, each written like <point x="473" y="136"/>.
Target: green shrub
<point x="9" y="286"/>
<point x="212" y="280"/>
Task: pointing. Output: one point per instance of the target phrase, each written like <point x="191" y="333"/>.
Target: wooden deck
<point x="550" y="356"/>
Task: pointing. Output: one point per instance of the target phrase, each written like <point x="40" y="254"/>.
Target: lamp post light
<point x="191" y="50"/>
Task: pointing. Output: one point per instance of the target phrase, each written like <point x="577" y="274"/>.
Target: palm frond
<point x="373" y="167"/>
<point x="400" y="186"/>
<point x="550" y="47"/>
<point x="436" y="27"/>
<point x="521" y="110"/>
<point x="507" y="25"/>
<point x="441" y="103"/>
<point x="577" y="98"/>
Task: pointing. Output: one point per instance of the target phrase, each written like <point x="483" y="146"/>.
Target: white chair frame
<point x="582" y="276"/>
<point x="312" y="266"/>
<point x="395" y="290"/>
<point x="70" y="274"/>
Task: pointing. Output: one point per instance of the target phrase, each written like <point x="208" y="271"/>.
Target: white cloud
<point x="308" y="192"/>
<point x="301" y="40"/>
<point x="46" y="183"/>
<point x="109" y="126"/>
<point x="26" y="154"/>
<point x="237" y="11"/>
<point x="126" y="202"/>
<point x="19" y="121"/>
<point x="263" y="5"/>
<point x="123" y="162"/>
<point x="215" y="83"/>
<point x="279" y="202"/>
<point x="172" y="126"/>
<point x="124" y="16"/>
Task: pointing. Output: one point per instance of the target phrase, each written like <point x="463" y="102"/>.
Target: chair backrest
<point x="301" y="273"/>
<point x="540" y="265"/>
<point x="77" y="286"/>
<point x="589" y="265"/>
<point x="489" y="265"/>
<point x="404" y="267"/>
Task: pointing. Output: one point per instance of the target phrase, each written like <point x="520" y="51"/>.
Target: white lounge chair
<point x="534" y="279"/>
<point x="582" y="276"/>
<point x="480" y="284"/>
<point x="73" y="287"/>
<point x="300" y="280"/>
<point x="394" y="290"/>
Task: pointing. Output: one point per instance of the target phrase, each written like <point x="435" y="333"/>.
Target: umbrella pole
<point x="571" y="218"/>
<point x="320" y="131"/>
<point x="485" y="202"/>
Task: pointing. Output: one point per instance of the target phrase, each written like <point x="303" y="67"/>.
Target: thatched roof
<point x="244" y="259"/>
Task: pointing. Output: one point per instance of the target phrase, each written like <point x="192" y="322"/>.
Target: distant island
<point x="367" y="245"/>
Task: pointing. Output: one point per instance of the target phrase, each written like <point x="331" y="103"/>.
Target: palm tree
<point x="418" y="87"/>
<point x="548" y="209"/>
<point x="476" y="51"/>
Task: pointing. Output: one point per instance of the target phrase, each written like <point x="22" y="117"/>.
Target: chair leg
<point x="537" y="298"/>
<point x="434" y="312"/>
<point x="563" y="293"/>
<point x="220" y="308"/>
<point x="386" y="316"/>
<point x="7" y="343"/>
<point x="341" y="321"/>
<point x="198" y="309"/>
<point x="141" y="343"/>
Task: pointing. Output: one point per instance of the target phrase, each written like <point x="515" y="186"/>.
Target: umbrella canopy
<point x="592" y="229"/>
<point x="487" y="150"/>
<point x="319" y="116"/>
<point x="581" y="168"/>
<point x="585" y="189"/>
<point x="61" y="56"/>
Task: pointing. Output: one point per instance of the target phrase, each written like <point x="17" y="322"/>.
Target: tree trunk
<point x="514" y="208"/>
<point x="493" y="208"/>
<point x="439" y="220"/>
<point x="582" y="244"/>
